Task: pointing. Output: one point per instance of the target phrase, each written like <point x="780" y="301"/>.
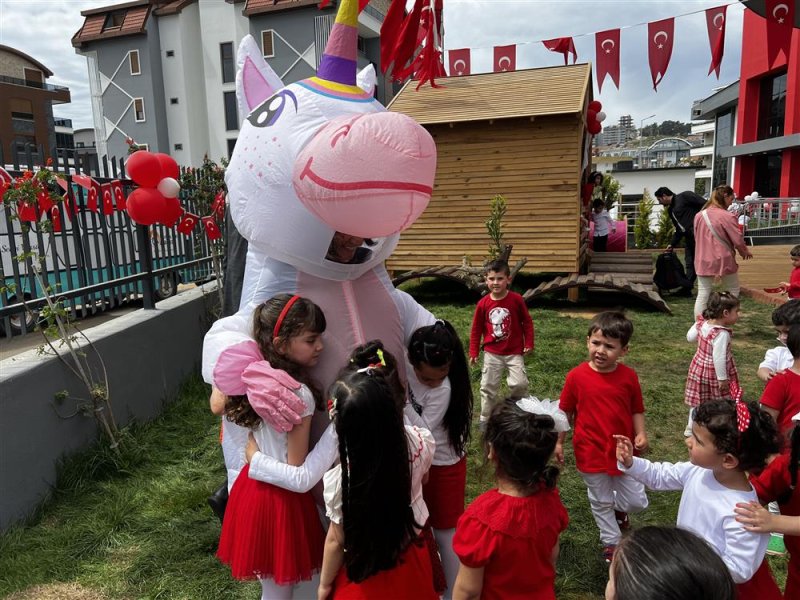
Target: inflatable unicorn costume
<point x="314" y="158"/>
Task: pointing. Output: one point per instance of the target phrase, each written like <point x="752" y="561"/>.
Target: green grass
<point x="138" y="526"/>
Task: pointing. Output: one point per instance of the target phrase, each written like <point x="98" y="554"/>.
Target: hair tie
<point x="531" y="404"/>
<point x="331" y="407"/>
<point x="283" y="314"/>
<point x="742" y="412"/>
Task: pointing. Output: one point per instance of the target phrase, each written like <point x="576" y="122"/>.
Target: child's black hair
<point x="438" y="345"/>
<point x="303" y="315"/>
<point x="522" y="444"/>
<point x="793" y="341"/>
<point x="787" y="314"/>
<point x="795" y="251"/>
<point x="377" y="516"/>
<point x="612" y="324"/>
<point x="752" y="446"/>
<point x="498" y="266"/>
<point x="372" y="354"/>
<point x="669" y="563"/>
<point x="598" y="203"/>
<point x="718" y="303"/>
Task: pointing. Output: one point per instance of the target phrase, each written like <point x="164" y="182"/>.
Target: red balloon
<point x="594" y="127"/>
<point x="591" y="115"/>
<point x="146" y="206"/>
<point x="172" y="213"/>
<point x="596" y="106"/>
<point x="144" y="168"/>
<point x="169" y="168"/>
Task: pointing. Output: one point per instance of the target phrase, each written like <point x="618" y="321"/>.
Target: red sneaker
<point x="608" y="553"/>
<point x="623" y="520"/>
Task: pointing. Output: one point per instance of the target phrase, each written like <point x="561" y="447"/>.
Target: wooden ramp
<point x="634" y="266"/>
<point x="600" y="280"/>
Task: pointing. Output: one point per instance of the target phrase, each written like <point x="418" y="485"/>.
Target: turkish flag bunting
<point x="67" y="210"/>
<point x="55" y="217"/>
<point x="780" y="22"/>
<point x="5" y="182"/>
<point x="108" y="198"/>
<point x="564" y="46"/>
<point x="715" y="22"/>
<point x="606" y="45"/>
<point x="218" y="206"/>
<point x="26" y="212"/>
<point x="93" y="197"/>
<point x="45" y="203"/>
<point x="188" y="221"/>
<point x="659" y="48"/>
<point x="505" y="58"/>
<point x="212" y="230"/>
<point x="119" y="195"/>
<point x="459" y="62"/>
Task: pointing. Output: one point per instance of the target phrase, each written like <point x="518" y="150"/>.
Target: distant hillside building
<point x="26" y="107"/>
<point x="614" y="135"/>
<point x="164" y="73"/>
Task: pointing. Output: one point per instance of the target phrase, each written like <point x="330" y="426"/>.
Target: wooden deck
<point x="770" y="265"/>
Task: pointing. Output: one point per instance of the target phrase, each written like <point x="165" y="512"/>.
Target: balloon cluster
<point x="594" y="117"/>
<point x="156" y="198"/>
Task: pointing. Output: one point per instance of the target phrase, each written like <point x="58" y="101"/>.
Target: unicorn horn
<point x="338" y="63"/>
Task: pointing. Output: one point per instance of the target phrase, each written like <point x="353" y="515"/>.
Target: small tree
<point x="665" y="229"/>
<point x="642" y="234"/>
<point x="494" y="225"/>
<point x="611" y="188"/>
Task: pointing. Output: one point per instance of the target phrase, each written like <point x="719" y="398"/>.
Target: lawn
<point x="138" y="527"/>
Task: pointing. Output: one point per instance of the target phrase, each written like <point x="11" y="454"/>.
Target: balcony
<point x="701" y="151"/>
<point x="706" y="127"/>
<point x="60" y="94"/>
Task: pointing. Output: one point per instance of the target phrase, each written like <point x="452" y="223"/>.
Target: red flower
<point x="49" y="162"/>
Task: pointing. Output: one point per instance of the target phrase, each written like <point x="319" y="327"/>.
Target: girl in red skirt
<point x="712" y="372"/>
<point x="373" y="497"/>
<point x="440" y="400"/>
<point x="270" y="533"/>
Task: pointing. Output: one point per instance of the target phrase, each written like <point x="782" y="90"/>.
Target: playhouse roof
<point x="512" y="94"/>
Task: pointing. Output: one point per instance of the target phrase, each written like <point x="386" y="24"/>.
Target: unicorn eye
<point x="267" y="114"/>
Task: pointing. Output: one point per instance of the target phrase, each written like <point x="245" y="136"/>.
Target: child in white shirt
<point x="602" y="224"/>
<point x="778" y="359"/>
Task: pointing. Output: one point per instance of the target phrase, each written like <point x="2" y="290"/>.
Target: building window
<point x="772" y="106"/>
<point x="173" y="100"/>
<point x="361" y="45"/>
<point x="34" y="77"/>
<point x="170" y="53"/>
<point x="231" y="116"/>
<point x="80" y="144"/>
<point x="267" y="43"/>
<point x="133" y="61"/>
<point x="178" y="146"/>
<point x="231" y="144"/>
<point x="114" y="19"/>
<point x="723" y="139"/>
<point x="768" y="175"/>
<point x="138" y="109"/>
<point x="227" y="60"/>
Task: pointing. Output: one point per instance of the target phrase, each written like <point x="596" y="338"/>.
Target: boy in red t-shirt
<point x="603" y="398"/>
<point x="503" y="321"/>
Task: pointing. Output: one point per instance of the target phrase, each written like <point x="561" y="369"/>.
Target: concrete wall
<point x="636" y="181"/>
<point x="147" y="354"/>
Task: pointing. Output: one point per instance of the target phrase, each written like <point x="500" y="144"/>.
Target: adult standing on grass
<point x="718" y="239"/>
<point x="682" y="210"/>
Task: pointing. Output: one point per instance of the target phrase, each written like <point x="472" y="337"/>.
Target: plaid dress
<point x="701" y="382"/>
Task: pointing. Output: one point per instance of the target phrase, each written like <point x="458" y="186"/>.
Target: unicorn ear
<point x="255" y="79"/>
<point x="367" y="79"/>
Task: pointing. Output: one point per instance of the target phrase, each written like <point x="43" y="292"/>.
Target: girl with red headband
<point x="729" y="438"/>
<point x="269" y="533"/>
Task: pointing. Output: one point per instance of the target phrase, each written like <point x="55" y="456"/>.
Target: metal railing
<point x="34" y="84"/>
<point x="770" y="218"/>
<point x="97" y="261"/>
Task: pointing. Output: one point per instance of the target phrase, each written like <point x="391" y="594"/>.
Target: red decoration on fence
<point x="43" y="198"/>
<point x="5" y="182"/>
<point x="780" y="22"/>
<point x="55" y="218"/>
<point x="564" y="46"/>
<point x="26" y="212"/>
<point x="606" y="44"/>
<point x="505" y="58"/>
<point x="172" y="213"/>
<point x="119" y="195"/>
<point x="659" y="48"/>
<point x="715" y="23"/>
<point x="460" y="63"/>
<point x="212" y="230"/>
<point x="93" y="198"/>
<point x="188" y="221"/>
<point x="218" y="206"/>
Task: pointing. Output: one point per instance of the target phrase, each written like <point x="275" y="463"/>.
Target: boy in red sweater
<point x="503" y="321"/>
<point x="603" y="398"/>
<point x="792" y="286"/>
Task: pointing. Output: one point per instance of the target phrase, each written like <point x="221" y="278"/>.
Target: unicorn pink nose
<point x="367" y="175"/>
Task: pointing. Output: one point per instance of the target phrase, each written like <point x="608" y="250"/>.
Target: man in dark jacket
<point x="682" y="210"/>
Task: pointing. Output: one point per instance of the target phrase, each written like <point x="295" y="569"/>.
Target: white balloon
<point x="754" y="195"/>
<point x="169" y="187"/>
<point x="601" y="116"/>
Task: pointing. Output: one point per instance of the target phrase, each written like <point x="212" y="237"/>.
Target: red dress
<point x="701" y="382"/>
<point x="512" y="539"/>
<point x="269" y="532"/>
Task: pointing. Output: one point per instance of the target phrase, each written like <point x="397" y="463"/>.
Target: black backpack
<point x="670" y="274"/>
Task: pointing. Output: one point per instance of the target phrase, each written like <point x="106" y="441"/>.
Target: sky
<point x="43" y="29"/>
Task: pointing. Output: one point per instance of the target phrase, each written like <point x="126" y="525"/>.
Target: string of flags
<point x="660" y="36"/>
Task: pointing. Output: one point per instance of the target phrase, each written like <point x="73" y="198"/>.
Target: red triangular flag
<point x="505" y="58"/>
<point x="93" y="196"/>
<point x="212" y="230"/>
<point x="564" y="46"/>
<point x="5" y="182"/>
<point x="107" y="199"/>
<point x="83" y="180"/>
<point x="715" y="23"/>
<point x="55" y="217"/>
<point x="459" y="61"/>
<point x="188" y="221"/>
<point x="45" y="203"/>
<point x="780" y="22"/>
<point x="218" y="206"/>
<point x="119" y="195"/>
<point x="659" y="48"/>
<point x="606" y="46"/>
<point x="26" y="212"/>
